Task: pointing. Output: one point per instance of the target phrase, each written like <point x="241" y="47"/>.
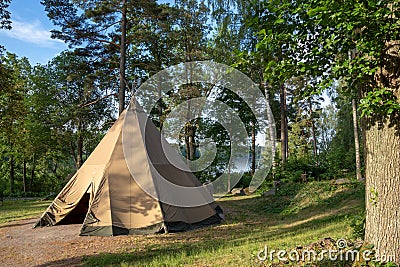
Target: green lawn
<point x="13" y="210"/>
<point x="298" y="215"/>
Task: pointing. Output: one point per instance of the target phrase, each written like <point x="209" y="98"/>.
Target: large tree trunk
<point x="382" y="172"/>
<point x="122" y="62"/>
<point x="382" y="167"/>
<point x="356" y="141"/>
<point x="284" y="126"/>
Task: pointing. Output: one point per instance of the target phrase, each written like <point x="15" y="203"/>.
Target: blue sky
<point x="30" y="35"/>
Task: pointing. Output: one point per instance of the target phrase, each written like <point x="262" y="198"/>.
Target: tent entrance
<point x="78" y="214"/>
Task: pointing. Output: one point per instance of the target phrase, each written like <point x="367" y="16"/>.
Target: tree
<point x="99" y="29"/>
<point x="356" y="139"/>
<point x="77" y="87"/>
<point x="13" y="110"/>
<point x="5" y="16"/>
<point x="192" y="27"/>
<point x="376" y="68"/>
<point x="324" y="33"/>
<point x="276" y="27"/>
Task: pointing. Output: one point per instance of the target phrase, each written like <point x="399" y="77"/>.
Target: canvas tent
<point x="107" y="200"/>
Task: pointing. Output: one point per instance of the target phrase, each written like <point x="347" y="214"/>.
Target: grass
<point x="298" y="215"/>
<point x="13" y="210"/>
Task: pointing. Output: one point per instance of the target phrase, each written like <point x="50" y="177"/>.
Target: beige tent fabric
<point x="156" y="148"/>
<point x="104" y="196"/>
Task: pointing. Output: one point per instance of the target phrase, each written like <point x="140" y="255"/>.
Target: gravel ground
<point x="53" y="246"/>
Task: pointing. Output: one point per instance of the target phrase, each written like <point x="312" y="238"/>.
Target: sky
<point x="30" y="33"/>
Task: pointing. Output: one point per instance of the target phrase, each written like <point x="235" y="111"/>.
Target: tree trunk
<point x="160" y="110"/>
<point x="284" y="127"/>
<point x="187" y="127"/>
<point x="253" y="148"/>
<point x="12" y="174"/>
<point x="314" y="138"/>
<point x="24" y="176"/>
<point x="382" y="169"/>
<point x="192" y="146"/>
<point x="271" y="131"/>
<point x="79" y="147"/>
<point x="356" y="141"/>
<point x="122" y="62"/>
<point x="32" y="176"/>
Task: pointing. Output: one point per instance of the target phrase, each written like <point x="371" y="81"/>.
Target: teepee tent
<point x="104" y="196"/>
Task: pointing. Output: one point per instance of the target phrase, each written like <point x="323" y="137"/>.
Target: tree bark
<point x="382" y="169"/>
<point x="356" y="140"/>
<point x="122" y="63"/>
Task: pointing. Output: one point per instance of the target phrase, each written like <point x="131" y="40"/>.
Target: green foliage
<point x="380" y="102"/>
<point x="291" y="198"/>
<point x="42" y="114"/>
<point x="245" y="180"/>
<point x="358" y="225"/>
<point x="294" y="168"/>
<point x="5" y="16"/>
<point x="332" y="41"/>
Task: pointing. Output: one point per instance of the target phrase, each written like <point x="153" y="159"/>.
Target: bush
<point x="295" y="167"/>
<point x="245" y="180"/>
<point x="358" y="225"/>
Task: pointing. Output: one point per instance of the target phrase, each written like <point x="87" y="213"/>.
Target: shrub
<point x="358" y="225"/>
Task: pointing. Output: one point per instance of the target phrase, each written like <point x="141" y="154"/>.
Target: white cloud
<point x="31" y="32"/>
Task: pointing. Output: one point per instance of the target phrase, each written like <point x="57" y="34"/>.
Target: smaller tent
<point x="104" y="197"/>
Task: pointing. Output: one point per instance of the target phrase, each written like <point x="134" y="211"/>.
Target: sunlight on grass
<point x="13" y="210"/>
<point x="309" y="213"/>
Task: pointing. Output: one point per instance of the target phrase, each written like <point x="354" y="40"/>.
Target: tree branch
<point x="97" y="100"/>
